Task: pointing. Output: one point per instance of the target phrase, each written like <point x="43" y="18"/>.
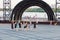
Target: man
<point x="17" y="23"/>
<point x="26" y="26"/>
<point x="34" y="24"/>
<point x="12" y="22"/>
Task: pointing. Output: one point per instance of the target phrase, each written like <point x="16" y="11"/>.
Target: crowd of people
<point x="18" y="25"/>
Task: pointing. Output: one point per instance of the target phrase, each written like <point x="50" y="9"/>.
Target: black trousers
<point x="12" y="26"/>
<point x="34" y="25"/>
<point x="16" y="25"/>
<point x="19" y="25"/>
<point x="25" y="26"/>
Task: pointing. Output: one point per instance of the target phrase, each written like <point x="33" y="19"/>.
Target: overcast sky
<point x="14" y="2"/>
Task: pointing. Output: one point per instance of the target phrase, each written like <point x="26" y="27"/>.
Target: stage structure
<point x="23" y="5"/>
<point x="6" y="9"/>
<point x="56" y="9"/>
<point x="8" y="14"/>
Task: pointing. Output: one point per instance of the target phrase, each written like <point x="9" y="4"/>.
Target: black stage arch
<point x="23" y="5"/>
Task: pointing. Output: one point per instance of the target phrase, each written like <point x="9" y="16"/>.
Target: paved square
<point x="42" y="32"/>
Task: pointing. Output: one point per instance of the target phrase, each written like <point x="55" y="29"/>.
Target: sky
<point x="15" y="2"/>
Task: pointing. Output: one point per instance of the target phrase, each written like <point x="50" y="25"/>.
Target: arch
<point x="23" y="5"/>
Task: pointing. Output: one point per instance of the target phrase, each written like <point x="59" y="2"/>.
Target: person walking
<point x="12" y="24"/>
<point x="34" y="24"/>
<point x="26" y="26"/>
<point x="16" y="25"/>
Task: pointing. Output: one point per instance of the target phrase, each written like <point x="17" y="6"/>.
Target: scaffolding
<point x="57" y="6"/>
<point x="6" y="9"/>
